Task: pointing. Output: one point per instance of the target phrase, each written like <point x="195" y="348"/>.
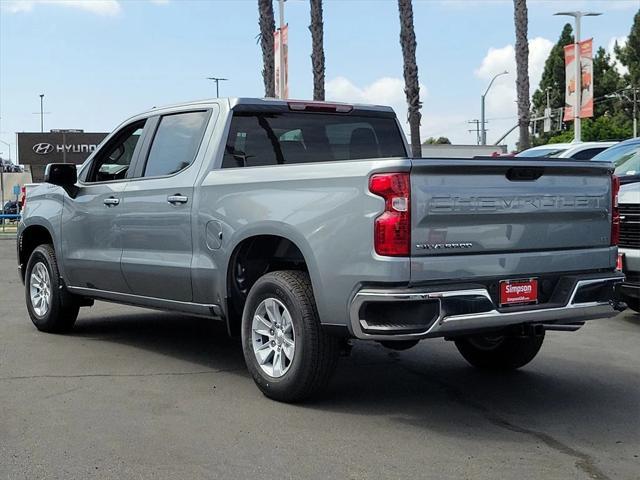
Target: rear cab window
<point x="284" y="138"/>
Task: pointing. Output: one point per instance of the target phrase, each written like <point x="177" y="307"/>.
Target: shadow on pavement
<point x="424" y="387"/>
<point x="192" y="339"/>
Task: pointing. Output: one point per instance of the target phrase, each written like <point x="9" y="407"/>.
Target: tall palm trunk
<point x="411" y="84"/>
<point x="317" y="49"/>
<point x="521" y="20"/>
<point x="267" y="27"/>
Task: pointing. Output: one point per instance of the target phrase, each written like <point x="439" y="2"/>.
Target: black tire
<point x="63" y="308"/>
<point x="499" y="352"/>
<point x="316" y="352"/>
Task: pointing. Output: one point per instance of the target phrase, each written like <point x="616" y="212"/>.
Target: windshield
<point x="541" y="152"/>
<point x="628" y="167"/>
<point x="617" y="153"/>
<point x="626" y="159"/>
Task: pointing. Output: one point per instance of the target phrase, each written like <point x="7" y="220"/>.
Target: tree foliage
<point x="629" y="55"/>
<point x="606" y="127"/>
<point x="437" y="141"/>
<point x="613" y="117"/>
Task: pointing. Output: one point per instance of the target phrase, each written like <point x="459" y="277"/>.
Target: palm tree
<point x="520" y="16"/>
<point x="317" y="49"/>
<point x="267" y="27"/>
<point x="411" y="85"/>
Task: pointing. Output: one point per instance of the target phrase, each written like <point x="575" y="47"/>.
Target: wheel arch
<point x="29" y="239"/>
<point x="256" y="254"/>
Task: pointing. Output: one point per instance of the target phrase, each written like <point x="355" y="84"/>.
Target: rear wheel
<point x="286" y="351"/>
<point x="499" y="352"/>
<point x="50" y="307"/>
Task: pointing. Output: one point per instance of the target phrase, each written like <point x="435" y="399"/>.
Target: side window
<point x="175" y="143"/>
<point x="114" y="159"/>
<point x="587" y="154"/>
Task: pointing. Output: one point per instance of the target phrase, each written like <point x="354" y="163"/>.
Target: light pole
<point x="577" y="129"/>
<point x="217" y="80"/>
<point x="635" y="112"/>
<point x="42" y="113"/>
<point x="483" y="130"/>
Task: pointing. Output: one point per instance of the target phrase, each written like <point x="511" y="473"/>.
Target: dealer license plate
<point x="518" y="292"/>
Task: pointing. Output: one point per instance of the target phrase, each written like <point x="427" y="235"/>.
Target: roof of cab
<point x="266" y="102"/>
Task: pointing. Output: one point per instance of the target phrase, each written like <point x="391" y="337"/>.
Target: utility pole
<point x="217" y="80"/>
<point x="476" y="122"/>
<point x="281" y="93"/>
<point x="483" y="130"/>
<point x="577" y="127"/>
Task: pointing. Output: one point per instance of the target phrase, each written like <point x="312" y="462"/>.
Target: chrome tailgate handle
<point x="111" y="201"/>
<point x="177" y="199"/>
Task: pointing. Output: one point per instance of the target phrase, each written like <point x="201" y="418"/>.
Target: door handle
<point x="111" y="201"/>
<point x="177" y="199"/>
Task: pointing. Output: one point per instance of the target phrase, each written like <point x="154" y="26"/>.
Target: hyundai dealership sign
<point x="57" y="146"/>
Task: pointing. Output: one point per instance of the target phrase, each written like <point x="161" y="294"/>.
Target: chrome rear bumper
<point x="479" y="310"/>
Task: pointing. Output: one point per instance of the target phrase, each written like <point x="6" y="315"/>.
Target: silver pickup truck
<point x="302" y="225"/>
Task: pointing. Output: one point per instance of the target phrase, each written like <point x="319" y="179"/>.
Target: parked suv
<point x="301" y="225"/>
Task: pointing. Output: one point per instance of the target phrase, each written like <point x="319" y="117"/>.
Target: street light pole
<point x="217" y="80"/>
<point x="577" y="126"/>
<point x="483" y="130"/>
<point x="635" y="112"/>
<point x="42" y="113"/>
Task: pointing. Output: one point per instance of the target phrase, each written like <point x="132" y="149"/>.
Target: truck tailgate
<point x="500" y="208"/>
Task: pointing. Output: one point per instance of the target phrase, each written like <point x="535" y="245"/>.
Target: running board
<point x="190" y="308"/>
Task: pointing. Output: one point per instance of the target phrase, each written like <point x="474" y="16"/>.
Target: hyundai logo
<point x="43" y="148"/>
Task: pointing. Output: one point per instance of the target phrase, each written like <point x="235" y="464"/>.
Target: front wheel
<point x="286" y="351"/>
<point x="499" y="352"/>
<point x="50" y="307"/>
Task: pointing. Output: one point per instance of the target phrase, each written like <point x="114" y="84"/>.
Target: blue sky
<point x="99" y="61"/>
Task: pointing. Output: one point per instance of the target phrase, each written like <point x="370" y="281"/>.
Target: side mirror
<point x="64" y="175"/>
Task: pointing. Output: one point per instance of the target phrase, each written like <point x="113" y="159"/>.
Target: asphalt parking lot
<point x="138" y="394"/>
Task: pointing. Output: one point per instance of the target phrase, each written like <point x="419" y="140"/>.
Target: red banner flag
<point x="586" y="80"/>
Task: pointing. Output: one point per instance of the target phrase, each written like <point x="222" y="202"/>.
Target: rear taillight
<point x="23" y="191"/>
<point x="392" y="229"/>
<point x="615" y="211"/>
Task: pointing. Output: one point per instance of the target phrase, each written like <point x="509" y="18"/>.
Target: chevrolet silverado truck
<point x="302" y="225"/>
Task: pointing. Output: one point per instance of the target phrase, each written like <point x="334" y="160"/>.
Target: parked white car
<point x="575" y="151"/>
